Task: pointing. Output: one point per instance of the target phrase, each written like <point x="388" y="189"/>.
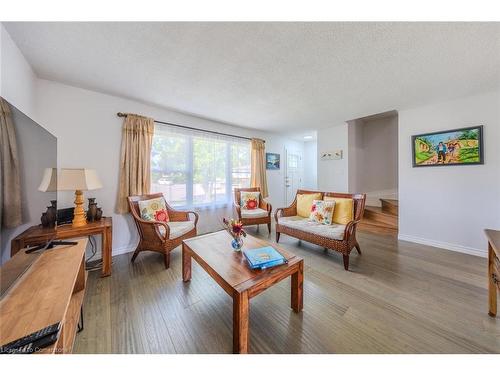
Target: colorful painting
<point x="452" y="147"/>
<point x="272" y="161"/>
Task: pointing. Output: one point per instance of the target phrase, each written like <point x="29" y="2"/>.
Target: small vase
<point x="98" y="215"/>
<point x="237" y="243"/>
<point x="51" y="215"/>
<point x="92" y="212"/>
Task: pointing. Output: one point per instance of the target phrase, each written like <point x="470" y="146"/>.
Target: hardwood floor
<point x="398" y="297"/>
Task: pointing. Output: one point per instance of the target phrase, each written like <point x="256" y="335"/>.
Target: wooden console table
<point x="493" y="268"/>
<point x="37" y="235"/>
<point x="51" y="290"/>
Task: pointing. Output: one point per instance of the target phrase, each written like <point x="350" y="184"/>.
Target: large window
<point x="196" y="168"/>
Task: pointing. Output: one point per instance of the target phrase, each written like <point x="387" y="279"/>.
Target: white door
<point x="293" y="174"/>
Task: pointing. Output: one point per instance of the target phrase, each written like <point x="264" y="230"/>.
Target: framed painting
<point x="451" y="147"/>
<point x="272" y="161"/>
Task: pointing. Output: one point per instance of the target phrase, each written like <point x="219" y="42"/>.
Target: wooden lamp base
<point x="79" y="219"/>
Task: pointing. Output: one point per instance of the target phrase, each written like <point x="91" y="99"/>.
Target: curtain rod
<point x="121" y="114"/>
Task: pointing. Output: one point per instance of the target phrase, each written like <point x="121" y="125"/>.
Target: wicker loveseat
<point x="341" y="238"/>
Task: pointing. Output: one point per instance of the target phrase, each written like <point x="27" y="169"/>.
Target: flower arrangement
<point x="235" y="229"/>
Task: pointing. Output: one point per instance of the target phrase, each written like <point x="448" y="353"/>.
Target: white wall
<point x="373" y="157"/>
<point x="333" y="174"/>
<point x="17" y="80"/>
<point x="449" y="207"/>
<point x="310" y="180"/>
<point x="89" y="135"/>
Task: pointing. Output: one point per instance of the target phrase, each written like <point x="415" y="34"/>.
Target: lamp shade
<point x="49" y="180"/>
<point x="78" y="179"/>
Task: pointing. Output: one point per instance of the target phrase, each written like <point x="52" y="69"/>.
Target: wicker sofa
<point x="341" y="238"/>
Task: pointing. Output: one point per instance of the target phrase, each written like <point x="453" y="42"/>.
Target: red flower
<point x="237" y="228"/>
<point x="161" y="215"/>
<point x="251" y="204"/>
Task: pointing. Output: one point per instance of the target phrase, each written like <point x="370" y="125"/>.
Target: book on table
<point x="263" y="257"/>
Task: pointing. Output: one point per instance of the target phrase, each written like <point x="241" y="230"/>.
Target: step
<point x="390" y="206"/>
<point x="370" y="226"/>
<point x="380" y="217"/>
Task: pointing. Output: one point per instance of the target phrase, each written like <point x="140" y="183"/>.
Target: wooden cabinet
<point x="50" y="291"/>
<point x="493" y="268"/>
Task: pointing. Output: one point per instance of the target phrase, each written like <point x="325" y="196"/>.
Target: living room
<point x="158" y="164"/>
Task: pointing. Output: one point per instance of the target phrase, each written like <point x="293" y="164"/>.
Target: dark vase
<point x="98" y="215"/>
<point x="44" y="221"/>
<point x="92" y="212"/>
<point x="51" y="215"/>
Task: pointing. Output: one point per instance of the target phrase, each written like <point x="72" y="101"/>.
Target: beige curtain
<point x="258" y="175"/>
<point x="135" y="161"/>
<point x="10" y="186"/>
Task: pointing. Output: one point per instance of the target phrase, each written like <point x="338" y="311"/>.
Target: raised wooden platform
<point x="382" y="220"/>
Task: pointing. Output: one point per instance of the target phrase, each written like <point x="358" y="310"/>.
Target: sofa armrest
<point x="238" y="210"/>
<point x="196" y="217"/>
<point x="266" y="206"/>
<point x="156" y="225"/>
<point x="285" y="211"/>
<point x="350" y="228"/>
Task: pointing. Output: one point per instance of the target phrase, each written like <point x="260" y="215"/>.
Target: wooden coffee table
<point x="229" y="269"/>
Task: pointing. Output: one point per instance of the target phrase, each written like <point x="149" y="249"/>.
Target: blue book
<point x="263" y="257"/>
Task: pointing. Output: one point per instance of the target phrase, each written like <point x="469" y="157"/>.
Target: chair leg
<point x="358" y="248"/>
<point x="166" y="259"/>
<point x="346" y="262"/>
<point x="269" y="227"/>
<point x="278" y="237"/>
<point x="136" y="252"/>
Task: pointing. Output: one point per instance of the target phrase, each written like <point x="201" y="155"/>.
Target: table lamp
<point x="78" y="179"/>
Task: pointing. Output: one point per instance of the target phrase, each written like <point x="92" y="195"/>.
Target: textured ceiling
<point x="272" y="76"/>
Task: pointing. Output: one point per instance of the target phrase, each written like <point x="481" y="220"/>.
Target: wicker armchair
<point x="343" y="246"/>
<point x="263" y="205"/>
<point x="160" y="236"/>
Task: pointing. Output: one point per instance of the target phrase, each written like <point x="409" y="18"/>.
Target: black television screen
<point x="36" y="151"/>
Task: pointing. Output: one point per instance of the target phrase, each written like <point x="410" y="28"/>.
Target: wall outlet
<point x="331" y="155"/>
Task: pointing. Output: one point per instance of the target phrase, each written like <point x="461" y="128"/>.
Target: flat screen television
<point x="36" y="151"/>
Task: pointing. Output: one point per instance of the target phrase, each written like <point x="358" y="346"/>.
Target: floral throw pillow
<point x="322" y="211"/>
<point x="154" y="210"/>
<point x="249" y="200"/>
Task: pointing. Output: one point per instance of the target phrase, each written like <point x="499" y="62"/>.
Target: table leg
<point x="15" y="246"/>
<point x="186" y="263"/>
<point x="240" y="322"/>
<point x="492" y="288"/>
<point x="106" y="251"/>
<point x="297" y="300"/>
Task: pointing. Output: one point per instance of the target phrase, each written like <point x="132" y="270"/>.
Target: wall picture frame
<point x="272" y="161"/>
<point x="462" y="146"/>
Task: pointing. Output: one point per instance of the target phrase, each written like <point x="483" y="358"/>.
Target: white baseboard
<point x="444" y="245"/>
<point x="124" y="249"/>
<point x="116" y="250"/>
